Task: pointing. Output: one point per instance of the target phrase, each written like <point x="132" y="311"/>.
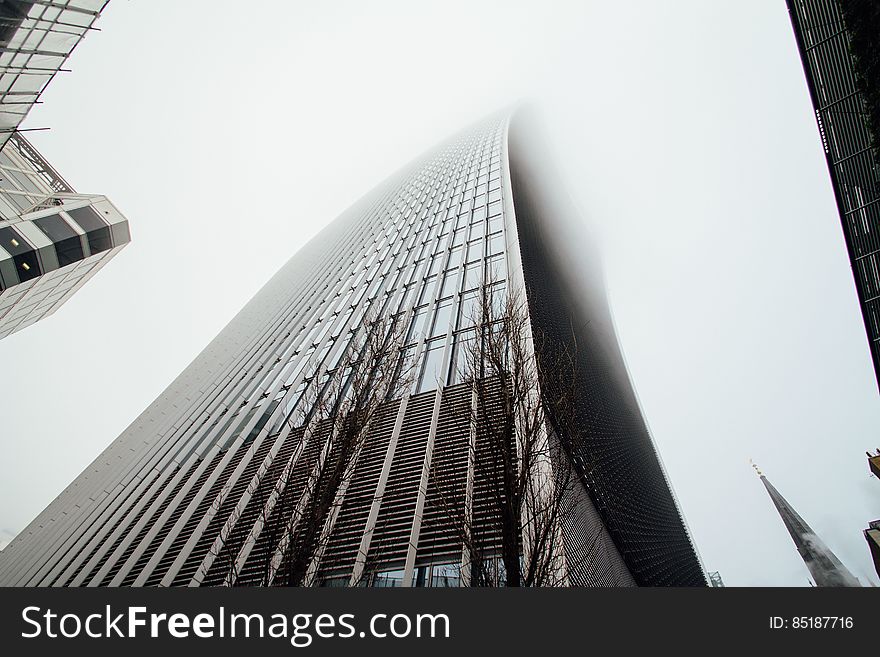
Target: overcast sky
<point x="229" y="134"/>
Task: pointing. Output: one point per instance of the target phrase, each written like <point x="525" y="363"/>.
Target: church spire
<point x="824" y="566"/>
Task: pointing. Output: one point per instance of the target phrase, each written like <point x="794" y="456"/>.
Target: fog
<point x="230" y="135"/>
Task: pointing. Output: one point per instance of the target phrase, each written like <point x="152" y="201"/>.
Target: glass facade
<point x="204" y="488"/>
<point x="35" y="40"/>
<point x="52" y="240"/>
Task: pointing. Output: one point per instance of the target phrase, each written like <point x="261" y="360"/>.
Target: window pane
<point x="459" y="368"/>
<point x="416" y="327"/>
<point x="97" y="232"/>
<point x="441" y="318"/>
<point x="450" y="283"/>
<point x="432" y="369"/>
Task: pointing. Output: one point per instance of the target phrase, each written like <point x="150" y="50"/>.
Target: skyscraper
<point x="220" y="480"/>
<point x="837" y="40"/>
<point x="823" y="564"/>
<point x="52" y="240"/>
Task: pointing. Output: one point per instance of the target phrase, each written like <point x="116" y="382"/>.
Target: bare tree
<point x="519" y="493"/>
<point x="299" y="504"/>
<point x="345" y="405"/>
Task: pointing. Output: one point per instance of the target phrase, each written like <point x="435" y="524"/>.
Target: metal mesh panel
<point x="841" y="115"/>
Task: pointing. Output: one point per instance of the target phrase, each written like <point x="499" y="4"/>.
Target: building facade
<point x="52" y="240"/>
<point x="36" y="38"/>
<point x="210" y="485"/>
<point x="838" y="89"/>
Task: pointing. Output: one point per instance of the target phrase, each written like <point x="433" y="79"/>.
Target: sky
<point x="682" y="129"/>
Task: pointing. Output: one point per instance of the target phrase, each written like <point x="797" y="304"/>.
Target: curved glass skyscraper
<point x="205" y="487"/>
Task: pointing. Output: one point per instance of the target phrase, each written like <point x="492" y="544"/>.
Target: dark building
<point x="217" y="481"/>
<point x="52" y="239"/>
<point x="839" y="49"/>
<point x="823" y="564"/>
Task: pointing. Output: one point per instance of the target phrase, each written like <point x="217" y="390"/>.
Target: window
<point x="461" y="354"/>
<point x="450" y="283"/>
<point x="388" y="579"/>
<point x="442" y="316"/>
<point x="475" y="250"/>
<point x="472" y="275"/>
<point x="27" y="266"/>
<point x="416" y="327"/>
<point x="495" y="269"/>
<point x="97" y="232"/>
<point x="445" y="575"/>
<point x="467" y="313"/>
<point x="404" y="369"/>
<point x="437" y="575"/>
<point x="455" y="257"/>
<point x="496" y="244"/>
<point x="335" y="582"/>
<point x="431" y="375"/>
<point x="428" y="290"/>
<point x="436" y="264"/>
<point x="496" y="223"/>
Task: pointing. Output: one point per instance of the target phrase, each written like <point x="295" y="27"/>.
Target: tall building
<point x="212" y="484"/>
<point x="52" y="240"/>
<point x="824" y="566"/>
<point x="838" y="41"/>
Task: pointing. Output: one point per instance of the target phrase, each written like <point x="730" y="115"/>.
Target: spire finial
<point x="757" y="469"/>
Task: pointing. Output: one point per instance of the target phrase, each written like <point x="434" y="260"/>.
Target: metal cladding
<point x="840" y="106"/>
<point x="36" y="38"/>
<point x="52" y="239"/>
<point x="190" y="493"/>
<point x="824" y="566"/>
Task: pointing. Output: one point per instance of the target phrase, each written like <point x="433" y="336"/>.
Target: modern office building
<point x="838" y="41"/>
<point x="52" y="240"/>
<point x="824" y="566"/>
<point x="214" y="483"/>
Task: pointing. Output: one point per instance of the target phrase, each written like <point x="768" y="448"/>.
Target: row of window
<point x="441" y="575"/>
<point x="67" y="244"/>
<point x="421" y="225"/>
